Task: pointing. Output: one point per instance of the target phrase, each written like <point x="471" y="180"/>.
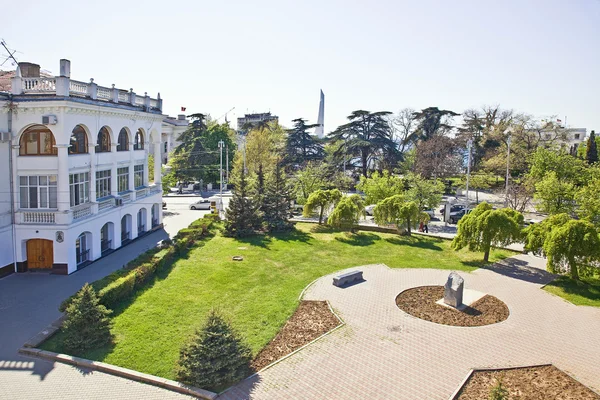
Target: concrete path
<point x="384" y="353"/>
<point x="29" y="302"/>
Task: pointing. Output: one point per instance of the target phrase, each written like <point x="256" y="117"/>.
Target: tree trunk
<point x="476" y="196"/>
<point x="408" y="226"/>
<point x="573" y="267"/>
<point x="486" y="255"/>
<point x="363" y="157"/>
<point x="321" y="214"/>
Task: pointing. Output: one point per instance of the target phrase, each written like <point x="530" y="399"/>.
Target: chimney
<point x="181" y="117"/>
<point x="29" y="70"/>
<point x="65" y="68"/>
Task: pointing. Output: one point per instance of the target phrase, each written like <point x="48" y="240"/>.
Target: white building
<point x="171" y="129"/>
<point x="252" y="120"/>
<point x="75" y="161"/>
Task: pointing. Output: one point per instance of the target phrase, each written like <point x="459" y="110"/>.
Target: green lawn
<point x="258" y="294"/>
<point x="585" y="292"/>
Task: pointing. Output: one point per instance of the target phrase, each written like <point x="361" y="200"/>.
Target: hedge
<point x="121" y="284"/>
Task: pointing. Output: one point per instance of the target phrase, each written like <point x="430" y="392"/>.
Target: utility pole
<point x="507" y="171"/>
<point x="221" y="175"/>
<point x="469" y="144"/>
<point x="227" y="162"/>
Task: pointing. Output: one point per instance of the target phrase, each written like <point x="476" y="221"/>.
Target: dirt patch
<point x="311" y="320"/>
<point x="531" y="383"/>
<point x="420" y="302"/>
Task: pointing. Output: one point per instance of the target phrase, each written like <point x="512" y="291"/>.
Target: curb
<point x="120" y="372"/>
<point x="46" y="333"/>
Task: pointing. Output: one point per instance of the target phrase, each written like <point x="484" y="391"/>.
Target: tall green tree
<point x="380" y="186"/>
<point x="535" y="235"/>
<point x="573" y="246"/>
<point x="312" y="177"/>
<point x="399" y="211"/>
<point x="485" y="227"/>
<point x="87" y="325"/>
<point x="432" y="121"/>
<point x="198" y="155"/>
<point x="321" y="200"/>
<point x="215" y="356"/>
<point x="591" y="153"/>
<point x="426" y="193"/>
<point x="347" y="212"/>
<point x="302" y="147"/>
<point x="554" y="195"/>
<point x="366" y="139"/>
<point x="276" y="202"/>
<point x="588" y="198"/>
<point x="242" y="217"/>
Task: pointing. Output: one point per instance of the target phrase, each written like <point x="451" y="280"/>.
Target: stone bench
<point x="347" y="278"/>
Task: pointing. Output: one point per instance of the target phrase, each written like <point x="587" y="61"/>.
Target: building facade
<point x="76" y="184"/>
<point x="171" y="129"/>
<point x="249" y="121"/>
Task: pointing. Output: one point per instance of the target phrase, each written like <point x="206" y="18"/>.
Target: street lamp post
<point x="221" y="143"/>
<point x="469" y="144"/>
<point x="507" y="171"/>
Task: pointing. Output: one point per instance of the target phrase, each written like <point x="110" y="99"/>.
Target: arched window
<point x="123" y="144"/>
<point x="78" y="142"/>
<point x="103" y="143"/>
<point x="139" y="140"/>
<point x="37" y="140"/>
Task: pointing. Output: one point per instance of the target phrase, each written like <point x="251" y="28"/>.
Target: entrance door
<point x="40" y="253"/>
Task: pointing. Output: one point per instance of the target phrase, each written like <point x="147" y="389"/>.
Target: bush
<point x="215" y="357"/>
<point x="87" y="325"/>
<point x="120" y="289"/>
<point x="498" y="391"/>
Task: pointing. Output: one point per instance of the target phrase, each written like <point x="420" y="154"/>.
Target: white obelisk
<point x="320" y="130"/>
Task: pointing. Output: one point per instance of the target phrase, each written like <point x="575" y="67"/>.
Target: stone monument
<point x="453" y="290"/>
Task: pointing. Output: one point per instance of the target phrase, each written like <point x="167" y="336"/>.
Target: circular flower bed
<point x="420" y="302"/>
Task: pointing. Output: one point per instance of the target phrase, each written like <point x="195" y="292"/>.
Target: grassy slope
<point x="257" y="294"/>
<point x="582" y="293"/>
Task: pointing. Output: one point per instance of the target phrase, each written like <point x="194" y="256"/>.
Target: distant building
<point x="171" y="129"/>
<point x="320" y="129"/>
<point x="248" y="121"/>
<point x="569" y="138"/>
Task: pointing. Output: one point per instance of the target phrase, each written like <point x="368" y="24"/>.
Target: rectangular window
<point x="123" y="179"/>
<point x="38" y="191"/>
<point x="577" y="136"/>
<point x="79" y="185"/>
<point x="138" y="175"/>
<point x="102" y="183"/>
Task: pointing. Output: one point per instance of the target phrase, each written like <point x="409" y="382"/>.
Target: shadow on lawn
<point x="587" y="288"/>
<point x="517" y="269"/>
<point x="358" y="239"/>
<point x="414" y="241"/>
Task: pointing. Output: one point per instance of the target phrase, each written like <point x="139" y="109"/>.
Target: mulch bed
<point x="532" y="383"/>
<point x="420" y="302"/>
<point x="311" y="320"/>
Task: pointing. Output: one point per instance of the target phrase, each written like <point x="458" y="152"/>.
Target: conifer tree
<point x="87" y="325"/>
<point x="242" y="215"/>
<point x="276" y="202"/>
<point x="591" y="153"/>
<point x="215" y="357"/>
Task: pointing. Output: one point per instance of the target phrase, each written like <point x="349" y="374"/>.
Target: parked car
<point x="454" y="208"/>
<point x="369" y="209"/>
<point x="202" y="204"/>
<point x="456" y="216"/>
<point x="164" y="205"/>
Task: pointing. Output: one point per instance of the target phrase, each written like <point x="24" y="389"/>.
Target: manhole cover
<point x="237" y="258"/>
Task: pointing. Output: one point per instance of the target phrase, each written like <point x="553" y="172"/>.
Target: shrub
<point x="118" y="290"/>
<point x="87" y="325"/>
<point x="215" y="357"/>
<point x="498" y="391"/>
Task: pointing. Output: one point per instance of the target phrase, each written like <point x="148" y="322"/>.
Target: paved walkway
<point x="29" y="302"/>
<point x="384" y="353"/>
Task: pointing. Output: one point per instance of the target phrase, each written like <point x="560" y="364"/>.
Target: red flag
<point x="182" y="108"/>
<point x="558" y="120"/>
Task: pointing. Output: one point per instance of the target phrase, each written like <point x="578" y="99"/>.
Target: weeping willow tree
<point x="485" y="227"/>
<point x="398" y="210"/>
<point x="321" y="200"/>
<point x="347" y="212"/>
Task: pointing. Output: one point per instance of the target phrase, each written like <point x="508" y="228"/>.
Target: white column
<point x="146" y="172"/>
<point x="157" y="163"/>
<point x="92" y="151"/>
<point x="64" y="194"/>
<point x="16" y="191"/>
<point x="169" y="138"/>
<point x="114" y="188"/>
<point x="131" y="165"/>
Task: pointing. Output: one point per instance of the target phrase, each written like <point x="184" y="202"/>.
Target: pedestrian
<point x="421" y="226"/>
<point x="426" y="228"/>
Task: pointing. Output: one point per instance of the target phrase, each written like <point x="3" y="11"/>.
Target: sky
<point x="537" y="57"/>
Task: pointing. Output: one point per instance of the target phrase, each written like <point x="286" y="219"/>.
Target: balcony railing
<point x="106" y="204"/>
<point x="126" y="197"/>
<point x="139" y="193"/>
<point x="82" y="211"/>
<point x="154" y="189"/>
<point x="154" y="223"/>
<point x="141" y="229"/>
<point x="105" y="245"/>
<point x="83" y="256"/>
<point x="38" y="217"/>
<point x="65" y="86"/>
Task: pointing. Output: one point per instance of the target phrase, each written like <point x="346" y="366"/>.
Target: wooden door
<point x="40" y="253"/>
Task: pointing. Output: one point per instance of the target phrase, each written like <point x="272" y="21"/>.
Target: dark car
<point x="454" y="208"/>
<point x="164" y="205"/>
<point x="456" y="216"/>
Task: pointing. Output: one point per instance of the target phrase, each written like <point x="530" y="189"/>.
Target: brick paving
<point x="384" y="353"/>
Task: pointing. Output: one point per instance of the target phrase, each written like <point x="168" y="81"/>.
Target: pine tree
<point x="242" y="215"/>
<point x="301" y="146"/>
<point x="87" y="325"/>
<point x="591" y="153"/>
<point x="215" y="357"/>
<point x="276" y="202"/>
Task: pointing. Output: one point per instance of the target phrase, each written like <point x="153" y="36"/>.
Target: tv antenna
<point x="11" y="54"/>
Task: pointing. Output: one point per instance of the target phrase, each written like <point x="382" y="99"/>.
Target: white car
<point x="369" y="209"/>
<point x="202" y="204"/>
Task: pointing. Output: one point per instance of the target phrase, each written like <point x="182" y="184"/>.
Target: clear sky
<point x="539" y="57"/>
